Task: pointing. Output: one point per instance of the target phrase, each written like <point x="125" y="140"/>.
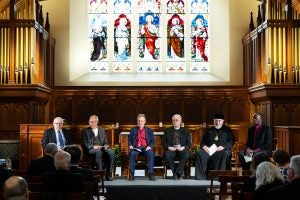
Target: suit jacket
<point x="63" y="181"/>
<point x="88" y="135"/>
<point x="286" y="191"/>
<point x="39" y="166"/>
<point x="263" y="139"/>
<point x="50" y="137"/>
<point x="185" y="138"/>
<point x="149" y="137"/>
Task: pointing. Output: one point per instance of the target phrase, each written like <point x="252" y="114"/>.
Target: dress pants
<point x="150" y="159"/>
<point x="183" y="157"/>
<point x="109" y="154"/>
<point x="204" y="162"/>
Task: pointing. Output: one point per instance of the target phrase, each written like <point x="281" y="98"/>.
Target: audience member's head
<point x="294" y="170"/>
<point x="281" y="158"/>
<point x="51" y="149"/>
<point x="266" y="173"/>
<point x="62" y="160"/>
<point x="15" y="188"/>
<point x="257" y="159"/>
<point x="75" y="153"/>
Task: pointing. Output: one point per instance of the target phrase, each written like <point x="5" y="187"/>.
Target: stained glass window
<point x="149" y="36"/>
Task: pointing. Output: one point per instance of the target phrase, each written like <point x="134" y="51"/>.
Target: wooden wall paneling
<point x="84" y="107"/>
<point x="193" y="111"/>
<point x="279" y="115"/>
<point x="150" y="107"/>
<point x="171" y="106"/>
<point x="288" y="138"/>
<point x="4" y="116"/>
<point x="237" y="108"/>
<point x="295" y="114"/>
<point x="127" y="111"/>
<point x="63" y="107"/>
<point x="214" y="104"/>
<point x="106" y="109"/>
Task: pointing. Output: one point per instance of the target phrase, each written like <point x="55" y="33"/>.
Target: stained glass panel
<point x="149" y="36"/>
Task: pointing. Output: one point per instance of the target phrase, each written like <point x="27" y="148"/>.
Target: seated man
<point x="61" y="180"/>
<point x="215" y="149"/>
<point x="177" y="142"/>
<point x="57" y="134"/>
<point x="44" y="164"/>
<point x="15" y="187"/>
<point x="141" y="141"/>
<point x="94" y="142"/>
<point x="259" y="140"/>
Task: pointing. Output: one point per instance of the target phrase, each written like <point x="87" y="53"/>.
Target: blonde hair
<point x="266" y="173"/>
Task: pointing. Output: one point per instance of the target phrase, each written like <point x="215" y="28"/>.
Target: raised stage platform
<point x="143" y="189"/>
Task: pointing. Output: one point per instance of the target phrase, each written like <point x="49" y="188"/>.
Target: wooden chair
<point x="225" y="184"/>
<point x="213" y="175"/>
<point x="186" y="170"/>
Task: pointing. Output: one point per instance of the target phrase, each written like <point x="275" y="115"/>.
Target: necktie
<point x="60" y="139"/>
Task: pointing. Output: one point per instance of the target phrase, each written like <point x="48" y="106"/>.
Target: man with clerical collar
<point x="177" y="143"/>
<point x="215" y="149"/>
<point x="141" y="142"/>
<point x="259" y="140"/>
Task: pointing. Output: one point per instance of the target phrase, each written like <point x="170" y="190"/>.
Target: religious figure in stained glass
<point x="149" y="43"/>
<point x="175" y="6"/>
<point x="122" y="38"/>
<point x="199" y="6"/>
<point x="175" y="37"/>
<point x="98" y="6"/>
<point x="149" y="6"/>
<point x="199" y="38"/>
<point x="122" y="6"/>
<point x="98" y="33"/>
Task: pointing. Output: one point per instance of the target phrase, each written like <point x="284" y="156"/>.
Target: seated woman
<point x="267" y="177"/>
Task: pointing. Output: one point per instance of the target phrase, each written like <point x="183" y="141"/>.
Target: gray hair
<point x="15" y="187"/>
<point x="177" y="115"/>
<point x="51" y="148"/>
<point x="266" y="173"/>
<point x="62" y="160"/>
<point x="295" y="165"/>
<point x="141" y="115"/>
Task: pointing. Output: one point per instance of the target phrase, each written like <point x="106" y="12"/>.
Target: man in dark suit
<point x="57" y="134"/>
<point x="44" y="164"/>
<point x="177" y="142"/>
<point x="94" y="142"/>
<point x="259" y="140"/>
<point x="141" y="141"/>
<point x="289" y="190"/>
<point x="61" y="180"/>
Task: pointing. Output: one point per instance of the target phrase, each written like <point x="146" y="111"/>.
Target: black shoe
<point x="175" y="177"/>
<point x="108" y="177"/>
<point x="179" y="176"/>
<point x="131" y="177"/>
<point x="151" y="177"/>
